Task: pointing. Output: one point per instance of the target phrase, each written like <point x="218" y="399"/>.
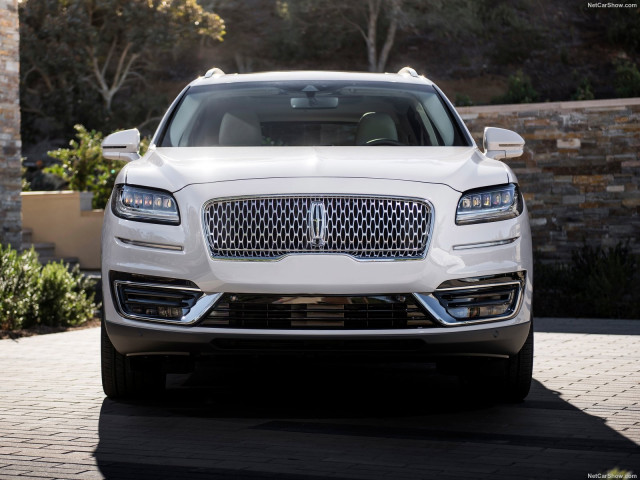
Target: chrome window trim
<point x="422" y="256"/>
<point x="201" y="307"/>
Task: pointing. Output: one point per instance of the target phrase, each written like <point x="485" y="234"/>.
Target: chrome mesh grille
<point x="362" y="226"/>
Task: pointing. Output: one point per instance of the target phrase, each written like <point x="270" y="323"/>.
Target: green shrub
<point x="31" y="294"/>
<point x="463" y="100"/>
<point x="64" y="300"/>
<point x="19" y="288"/>
<point x="584" y="90"/>
<point x="598" y="282"/>
<point x="83" y="166"/>
<point x="519" y="90"/>
<point x="627" y="81"/>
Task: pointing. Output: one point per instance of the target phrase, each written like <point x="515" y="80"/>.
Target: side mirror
<point x="499" y="143"/>
<point x="122" y="145"/>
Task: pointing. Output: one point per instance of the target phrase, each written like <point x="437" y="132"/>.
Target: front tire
<point x="519" y="371"/>
<point x="495" y="379"/>
<point x="119" y="380"/>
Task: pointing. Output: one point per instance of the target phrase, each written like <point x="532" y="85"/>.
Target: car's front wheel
<point x="119" y="380"/>
<point x="492" y="378"/>
<point x="516" y="382"/>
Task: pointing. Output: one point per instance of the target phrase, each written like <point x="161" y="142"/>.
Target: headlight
<point x="145" y="205"/>
<point x="489" y="205"/>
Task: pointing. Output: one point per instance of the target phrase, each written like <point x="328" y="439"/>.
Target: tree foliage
<point x="84" y="168"/>
<point x="627" y="80"/>
<point x="376" y="22"/>
<point x="519" y="90"/>
<point x="77" y="56"/>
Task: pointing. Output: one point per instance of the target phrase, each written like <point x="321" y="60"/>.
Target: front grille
<point x="361" y="226"/>
<point x="317" y="312"/>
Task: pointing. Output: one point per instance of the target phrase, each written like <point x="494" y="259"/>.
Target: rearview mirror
<point x="499" y="143"/>
<point x="122" y="145"/>
<point x="314" y="102"/>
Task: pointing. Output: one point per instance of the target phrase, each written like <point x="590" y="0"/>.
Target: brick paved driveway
<point x="314" y="421"/>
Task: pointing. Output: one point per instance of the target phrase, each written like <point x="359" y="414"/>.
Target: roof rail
<point x="408" y="71"/>
<point x="214" y="72"/>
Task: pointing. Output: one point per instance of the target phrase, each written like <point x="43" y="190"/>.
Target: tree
<point x="73" y="50"/>
<point x="252" y="25"/>
<point x="122" y="36"/>
<point x="370" y="13"/>
<point x="376" y="21"/>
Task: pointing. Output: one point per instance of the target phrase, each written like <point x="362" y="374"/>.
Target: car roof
<point x="217" y="76"/>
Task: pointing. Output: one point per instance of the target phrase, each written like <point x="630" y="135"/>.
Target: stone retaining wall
<point x="10" y="183"/>
<point x="580" y="171"/>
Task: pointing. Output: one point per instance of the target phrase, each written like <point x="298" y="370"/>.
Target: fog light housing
<point x="476" y="300"/>
<point x="483" y="311"/>
<point x="481" y="302"/>
<point x="145" y="301"/>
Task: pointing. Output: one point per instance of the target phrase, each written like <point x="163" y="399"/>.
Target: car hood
<point x="461" y="168"/>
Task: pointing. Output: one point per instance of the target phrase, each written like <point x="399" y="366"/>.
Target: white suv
<point x="303" y="213"/>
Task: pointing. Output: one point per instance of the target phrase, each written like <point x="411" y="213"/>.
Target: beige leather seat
<point x="374" y="126"/>
<point x="240" y="128"/>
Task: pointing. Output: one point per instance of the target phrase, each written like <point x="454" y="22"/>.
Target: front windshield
<point x="308" y="113"/>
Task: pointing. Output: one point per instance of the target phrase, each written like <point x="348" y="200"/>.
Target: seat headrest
<point x="373" y="126"/>
<point x="240" y="128"/>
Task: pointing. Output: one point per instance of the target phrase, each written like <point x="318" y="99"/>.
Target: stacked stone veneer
<point x="580" y="172"/>
<point x="10" y="182"/>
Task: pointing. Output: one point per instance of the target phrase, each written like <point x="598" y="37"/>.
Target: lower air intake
<point x="317" y="312"/>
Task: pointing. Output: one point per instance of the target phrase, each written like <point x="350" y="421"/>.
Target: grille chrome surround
<point x="365" y="227"/>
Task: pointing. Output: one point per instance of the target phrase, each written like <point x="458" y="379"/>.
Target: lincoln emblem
<point x="317" y="224"/>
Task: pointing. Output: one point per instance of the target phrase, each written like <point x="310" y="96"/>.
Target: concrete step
<point x="71" y="261"/>
<point x="43" y="249"/>
<point x="27" y="235"/>
<point x="46" y="250"/>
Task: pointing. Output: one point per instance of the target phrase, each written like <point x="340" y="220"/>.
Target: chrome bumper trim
<point x="469" y="246"/>
<point x="201" y="307"/>
<point x="160" y="246"/>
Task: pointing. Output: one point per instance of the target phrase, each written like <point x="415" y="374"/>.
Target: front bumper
<point x="180" y="252"/>
<point x="498" y="339"/>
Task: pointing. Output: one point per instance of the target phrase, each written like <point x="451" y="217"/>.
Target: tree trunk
<point x="123" y="71"/>
<point x="396" y="6"/>
<point x="373" y="7"/>
<point x="378" y="61"/>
